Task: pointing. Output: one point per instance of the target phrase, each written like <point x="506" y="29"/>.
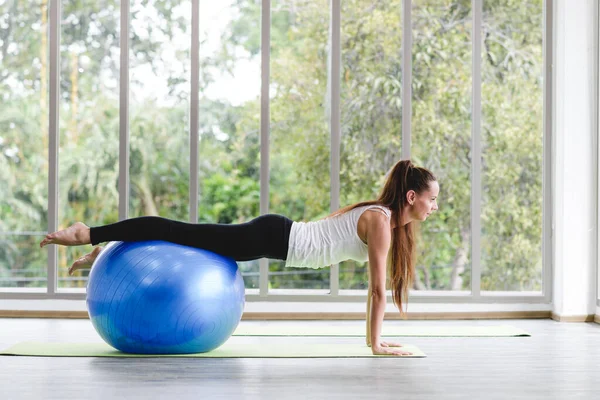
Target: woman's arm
<point x="378" y="239"/>
<point x="368" y="336"/>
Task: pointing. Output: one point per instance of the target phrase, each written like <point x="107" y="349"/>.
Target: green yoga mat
<point x="227" y="350"/>
<point x="387" y="331"/>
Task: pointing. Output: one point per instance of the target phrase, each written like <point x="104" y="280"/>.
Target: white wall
<point x="574" y="158"/>
<point x="597" y="86"/>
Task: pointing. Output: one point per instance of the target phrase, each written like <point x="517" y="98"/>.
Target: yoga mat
<point x="227" y="350"/>
<point x="387" y="330"/>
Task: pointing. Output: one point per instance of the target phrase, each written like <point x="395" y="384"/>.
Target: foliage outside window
<point x="229" y="126"/>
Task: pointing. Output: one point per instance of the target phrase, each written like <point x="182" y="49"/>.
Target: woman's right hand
<point x="389" y="351"/>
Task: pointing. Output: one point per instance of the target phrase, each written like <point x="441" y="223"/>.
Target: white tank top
<point x="329" y="241"/>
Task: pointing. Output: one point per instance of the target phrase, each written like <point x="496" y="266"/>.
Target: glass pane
<point x="512" y="145"/>
<point x="89" y="123"/>
<point x="441" y="138"/>
<point x="159" y="114"/>
<point x="300" y="140"/>
<point x="229" y="118"/>
<point x="371" y="98"/>
<point x="24" y="66"/>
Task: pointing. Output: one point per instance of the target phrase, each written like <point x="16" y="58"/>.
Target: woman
<point x="371" y="230"/>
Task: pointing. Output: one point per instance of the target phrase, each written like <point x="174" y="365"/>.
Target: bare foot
<point x="75" y="235"/>
<point x="85" y="261"/>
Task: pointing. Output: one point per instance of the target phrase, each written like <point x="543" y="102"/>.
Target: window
<point x="300" y="140"/>
<point x="229" y="117"/>
<point x="371" y="107"/>
<point x="441" y="137"/>
<point x="159" y="100"/>
<point x="89" y="124"/>
<point x="475" y="98"/>
<point x="512" y="136"/>
<point x="23" y="144"/>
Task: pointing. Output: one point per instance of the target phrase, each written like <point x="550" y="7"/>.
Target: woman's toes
<point x="85" y="261"/>
<point x="46" y="240"/>
<point x="78" y="264"/>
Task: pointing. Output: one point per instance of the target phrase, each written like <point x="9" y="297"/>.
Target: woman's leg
<point x="265" y="236"/>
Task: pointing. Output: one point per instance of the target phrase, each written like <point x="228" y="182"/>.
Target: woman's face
<point x="423" y="204"/>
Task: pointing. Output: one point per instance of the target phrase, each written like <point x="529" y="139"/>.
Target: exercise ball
<point x="156" y="297"/>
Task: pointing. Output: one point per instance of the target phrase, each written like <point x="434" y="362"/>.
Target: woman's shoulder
<point x="376" y="229"/>
<point x="378" y="209"/>
<point x="376" y="220"/>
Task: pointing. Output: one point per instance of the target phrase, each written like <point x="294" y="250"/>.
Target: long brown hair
<point x="404" y="176"/>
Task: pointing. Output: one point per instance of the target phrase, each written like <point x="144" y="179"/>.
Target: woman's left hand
<point x="390" y="344"/>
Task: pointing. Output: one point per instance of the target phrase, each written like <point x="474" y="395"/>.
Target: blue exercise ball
<point x="157" y="297"/>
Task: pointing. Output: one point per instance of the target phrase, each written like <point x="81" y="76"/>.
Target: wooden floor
<point x="559" y="361"/>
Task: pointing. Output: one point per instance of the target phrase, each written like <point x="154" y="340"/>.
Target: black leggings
<point x="265" y="236"/>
